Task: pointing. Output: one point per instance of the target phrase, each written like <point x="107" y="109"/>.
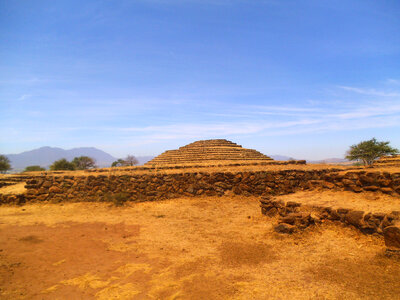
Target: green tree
<point x="369" y="151"/>
<point x="62" y="164"/>
<point x="4" y="164"/>
<point x="34" y="168"/>
<point x="84" y="162"/>
<point x="118" y="163"/>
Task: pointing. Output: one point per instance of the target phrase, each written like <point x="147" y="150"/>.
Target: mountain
<point x="144" y="159"/>
<point x="280" y="157"/>
<point x="333" y="161"/>
<point x="45" y="156"/>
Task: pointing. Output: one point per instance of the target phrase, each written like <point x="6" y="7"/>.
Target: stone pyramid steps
<point x="208" y="150"/>
<point x="393" y="160"/>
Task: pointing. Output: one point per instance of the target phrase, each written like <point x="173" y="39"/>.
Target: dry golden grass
<point x="18" y="188"/>
<point x="223" y="168"/>
<point x="133" y="170"/>
<point x="187" y="248"/>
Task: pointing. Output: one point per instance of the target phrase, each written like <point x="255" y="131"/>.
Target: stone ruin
<point x="388" y="161"/>
<point x="208" y="151"/>
<point x="294" y="216"/>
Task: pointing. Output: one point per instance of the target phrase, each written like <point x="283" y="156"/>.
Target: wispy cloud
<point x="131" y="122"/>
<point x="23" y="81"/>
<point x="393" y="81"/>
<point x="370" y="92"/>
<point x="380" y="108"/>
<point x="24" y="97"/>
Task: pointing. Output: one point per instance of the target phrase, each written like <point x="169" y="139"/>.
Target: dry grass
<point x="223" y="168"/>
<point x="202" y="248"/>
<point x="134" y="171"/>
<point x="18" y="188"/>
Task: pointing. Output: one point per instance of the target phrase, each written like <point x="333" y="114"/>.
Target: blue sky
<point x="303" y="78"/>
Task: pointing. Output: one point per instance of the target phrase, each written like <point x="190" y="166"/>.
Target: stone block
<point x="392" y="237"/>
<point x="387" y="190"/>
<point x="355" y="218"/>
<point x="371" y="188"/>
<point x="284" y="228"/>
<point x="293" y="204"/>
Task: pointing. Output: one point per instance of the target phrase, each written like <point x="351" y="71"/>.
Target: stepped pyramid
<point x="208" y="151"/>
<point x="392" y="160"/>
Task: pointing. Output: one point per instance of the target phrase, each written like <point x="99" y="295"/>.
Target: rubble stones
<point x="355" y="218"/>
<point x="284" y="228"/>
<point x="368" y="223"/>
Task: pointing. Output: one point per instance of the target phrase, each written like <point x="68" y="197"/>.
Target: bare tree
<point x="130" y="160"/>
<point x="84" y="162"/>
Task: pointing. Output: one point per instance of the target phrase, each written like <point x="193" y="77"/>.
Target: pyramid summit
<point x="209" y="151"/>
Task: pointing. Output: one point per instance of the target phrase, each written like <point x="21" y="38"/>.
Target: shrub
<point x="118" y="199"/>
<point x="34" y="168"/>
<point x="118" y="163"/>
<point x="62" y="164"/>
<point x="4" y="164"/>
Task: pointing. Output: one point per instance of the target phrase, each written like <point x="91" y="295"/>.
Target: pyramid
<point x="208" y="151"/>
<point x="392" y="160"/>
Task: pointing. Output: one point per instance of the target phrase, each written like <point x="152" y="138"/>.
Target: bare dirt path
<point x="188" y="248"/>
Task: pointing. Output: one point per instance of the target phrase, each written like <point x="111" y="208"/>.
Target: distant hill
<point x="322" y="161"/>
<point x="45" y="156"/>
<point x="329" y="161"/>
<point x="144" y="159"/>
<point x="280" y="157"/>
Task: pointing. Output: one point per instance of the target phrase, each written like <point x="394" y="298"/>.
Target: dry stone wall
<point x="162" y="186"/>
<point x="293" y="216"/>
<point x="300" y="216"/>
<point x="151" y="187"/>
<point x="359" y="181"/>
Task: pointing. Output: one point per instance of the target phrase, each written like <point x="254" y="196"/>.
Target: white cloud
<point x="24" y="97"/>
<point x="393" y="81"/>
<point x="370" y="92"/>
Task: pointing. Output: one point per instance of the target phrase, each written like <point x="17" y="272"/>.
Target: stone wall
<point x="293" y="216"/>
<point x="163" y="186"/>
<point x="296" y="214"/>
<point x="360" y="181"/>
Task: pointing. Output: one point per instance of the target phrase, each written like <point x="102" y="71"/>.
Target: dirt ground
<point x="187" y="248"/>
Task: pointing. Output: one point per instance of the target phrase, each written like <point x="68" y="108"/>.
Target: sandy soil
<point x="366" y="201"/>
<point x="188" y="248"/>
